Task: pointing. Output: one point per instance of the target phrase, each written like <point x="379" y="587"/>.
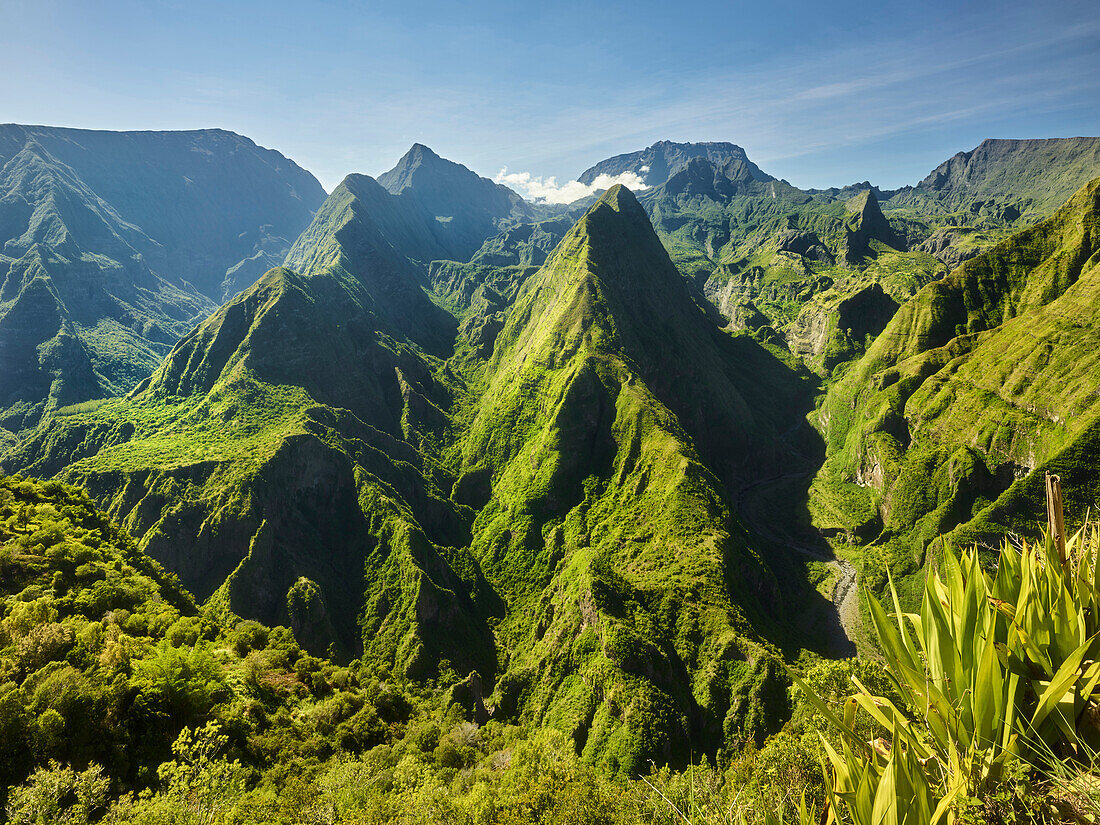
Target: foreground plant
<point x="993" y="670"/>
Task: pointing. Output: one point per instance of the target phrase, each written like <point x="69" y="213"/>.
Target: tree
<point x="201" y="780"/>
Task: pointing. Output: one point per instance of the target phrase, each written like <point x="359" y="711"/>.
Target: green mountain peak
<point x="599" y="481"/>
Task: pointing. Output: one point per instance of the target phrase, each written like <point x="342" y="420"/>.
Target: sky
<point x="820" y="94"/>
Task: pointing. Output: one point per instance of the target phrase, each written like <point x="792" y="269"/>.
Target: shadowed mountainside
<point x="113" y="244"/>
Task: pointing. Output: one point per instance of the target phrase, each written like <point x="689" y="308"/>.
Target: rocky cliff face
<point x="112" y="244"/>
<point x="659" y="162"/>
<point x="1038" y="174"/>
<point x="202" y="202"/>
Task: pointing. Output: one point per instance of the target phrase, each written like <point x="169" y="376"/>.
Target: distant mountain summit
<point x="467" y="207"/>
<point x="204" y="202"/>
<point x="659" y="162"/>
<point x="1013" y="176"/>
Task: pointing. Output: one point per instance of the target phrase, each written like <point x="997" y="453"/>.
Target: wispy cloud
<point x="547" y="190"/>
<point x="886" y="95"/>
<point x="805" y="112"/>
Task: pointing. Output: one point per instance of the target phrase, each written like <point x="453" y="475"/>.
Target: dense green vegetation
<point x="120" y="701"/>
<point x="980" y="383"/>
<point x="105" y="660"/>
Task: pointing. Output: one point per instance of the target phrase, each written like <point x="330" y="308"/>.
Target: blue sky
<point x="819" y="93"/>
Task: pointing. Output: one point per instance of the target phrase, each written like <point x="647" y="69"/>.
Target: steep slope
<point x="465" y="208"/>
<point x="115" y="243"/>
<point x="1035" y="176"/>
<point x="613" y="412"/>
<point x="659" y="162"/>
<point x="212" y="201"/>
<point x="981" y="382"/>
<point x="289" y="438"/>
<point x="979" y="197"/>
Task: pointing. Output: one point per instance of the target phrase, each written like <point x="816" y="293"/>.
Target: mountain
<point x="774" y="259"/>
<point x="211" y="201"/>
<point x="1037" y="175"/>
<point x="112" y="245"/>
<point x="512" y="512"/>
<point x="659" y="162"/>
<point x="466" y="208"/>
<point x="979" y="197"/>
<point x="979" y="384"/>
<point x="611" y="494"/>
<point x="525" y="461"/>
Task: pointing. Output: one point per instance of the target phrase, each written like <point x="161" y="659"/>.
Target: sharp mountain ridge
<point x="113" y="244"/>
<point x="306" y="431"/>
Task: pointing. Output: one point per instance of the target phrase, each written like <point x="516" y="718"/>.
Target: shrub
<point x="57" y="795"/>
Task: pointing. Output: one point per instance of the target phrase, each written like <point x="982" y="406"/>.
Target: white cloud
<point x="547" y="190"/>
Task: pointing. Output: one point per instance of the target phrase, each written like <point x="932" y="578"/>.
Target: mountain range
<point x="308" y="429"/>
<point x="586" y="466"/>
<point x="114" y="244"/>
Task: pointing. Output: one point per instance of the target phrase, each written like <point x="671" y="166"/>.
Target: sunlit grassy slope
<point x="979" y="384"/>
